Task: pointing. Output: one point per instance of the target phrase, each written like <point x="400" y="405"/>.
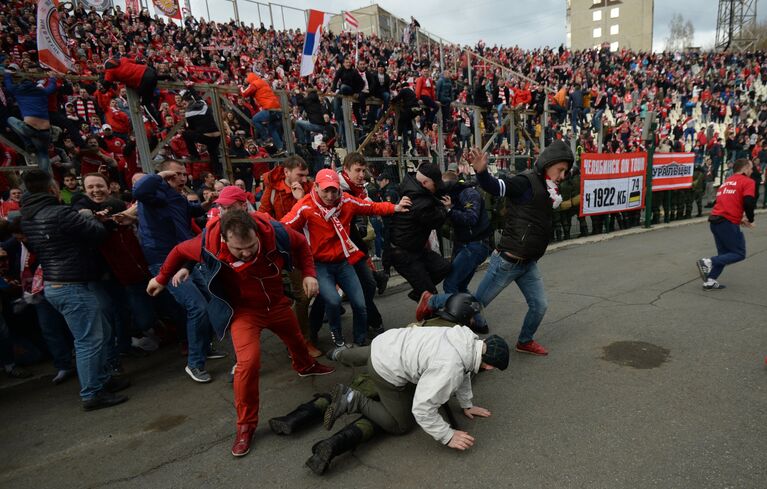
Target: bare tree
<point x="680" y="33"/>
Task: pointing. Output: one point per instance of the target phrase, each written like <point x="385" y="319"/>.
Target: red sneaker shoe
<point x="316" y="369"/>
<point x="533" y="348"/>
<point x="241" y="445"/>
<point x="423" y="311"/>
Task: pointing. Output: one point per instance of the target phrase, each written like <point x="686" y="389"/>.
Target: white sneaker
<point x="704" y="268"/>
<point x="145" y="343"/>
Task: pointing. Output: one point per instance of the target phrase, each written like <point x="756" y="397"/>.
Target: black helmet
<point x="460" y="308"/>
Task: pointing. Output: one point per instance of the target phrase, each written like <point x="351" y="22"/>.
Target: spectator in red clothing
<point x="135" y="75"/>
<point x="244" y="254"/>
<point x="325" y="216"/>
<point x="118" y="119"/>
<point x="283" y="188"/>
<point x="13" y="203"/>
<point x="424" y="90"/>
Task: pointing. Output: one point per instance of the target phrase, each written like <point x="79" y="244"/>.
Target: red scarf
<point x="354" y="189"/>
<point x="330" y="214"/>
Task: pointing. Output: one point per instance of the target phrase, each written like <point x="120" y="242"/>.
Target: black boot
<point x="325" y="450"/>
<point x="305" y="415"/>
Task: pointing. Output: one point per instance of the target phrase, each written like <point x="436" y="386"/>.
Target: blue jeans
<point x="267" y="124"/>
<point x="35" y="138"/>
<point x="368" y="283"/>
<point x="466" y="258"/>
<point x="730" y="246"/>
<point x="304" y="130"/>
<point x="343" y="274"/>
<point x="378" y="227"/>
<point x="80" y="305"/>
<point x="500" y="273"/>
<point x="53" y="327"/>
<point x="192" y="296"/>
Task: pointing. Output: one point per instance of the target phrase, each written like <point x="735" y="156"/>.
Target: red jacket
<point x="425" y="87"/>
<point x="255" y="286"/>
<point x="261" y="92"/>
<point x="325" y="244"/>
<point x="277" y="198"/>
<point x="119" y="121"/>
<point x="127" y="71"/>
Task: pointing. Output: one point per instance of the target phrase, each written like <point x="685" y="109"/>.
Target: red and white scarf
<point x="330" y="214"/>
<point x="553" y="188"/>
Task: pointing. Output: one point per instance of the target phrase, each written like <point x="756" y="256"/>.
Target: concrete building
<point x="375" y="20"/>
<point x="619" y="23"/>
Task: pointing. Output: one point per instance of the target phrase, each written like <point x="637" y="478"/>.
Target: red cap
<point x="327" y="178"/>
<point x="231" y="194"/>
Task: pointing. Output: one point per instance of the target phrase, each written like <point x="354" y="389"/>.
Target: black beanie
<point x="556" y="152"/>
<point x="432" y="171"/>
<point x="497" y="352"/>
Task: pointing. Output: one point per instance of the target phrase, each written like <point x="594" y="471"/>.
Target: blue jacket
<point x="445" y="90"/>
<point x="165" y="217"/>
<point x="31" y="97"/>
<point x="468" y="216"/>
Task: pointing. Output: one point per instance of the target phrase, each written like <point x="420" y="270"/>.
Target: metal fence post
<point x="224" y="148"/>
<point x="287" y="132"/>
<point x="137" y="121"/>
<point x="346" y="106"/>
<point x="440" y="141"/>
<point x="513" y="136"/>
<point x="544" y="120"/>
<point x="477" y="127"/>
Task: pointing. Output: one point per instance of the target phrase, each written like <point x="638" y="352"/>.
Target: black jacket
<point x="407" y="98"/>
<point x="377" y="88"/>
<point x="528" y="228"/>
<point x="410" y="230"/>
<point x="64" y="240"/>
<point x="199" y="117"/>
<point x="313" y="107"/>
<point x="350" y="77"/>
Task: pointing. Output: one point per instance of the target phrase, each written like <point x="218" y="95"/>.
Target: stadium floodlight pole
<point x="271" y="15"/>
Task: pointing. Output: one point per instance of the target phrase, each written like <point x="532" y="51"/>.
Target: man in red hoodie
<point x="424" y="90"/>
<point x="244" y="255"/>
<point x="283" y="187"/>
<point x="325" y="216"/>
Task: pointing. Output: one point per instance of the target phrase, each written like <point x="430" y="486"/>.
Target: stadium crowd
<point x="117" y="227"/>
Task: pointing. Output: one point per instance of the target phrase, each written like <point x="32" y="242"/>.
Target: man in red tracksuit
<point x="325" y="217"/>
<point x="244" y="255"/>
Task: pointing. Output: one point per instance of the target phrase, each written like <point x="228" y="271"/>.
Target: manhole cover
<point x="635" y="354"/>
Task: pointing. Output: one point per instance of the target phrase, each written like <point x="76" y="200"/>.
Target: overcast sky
<point x="528" y="24"/>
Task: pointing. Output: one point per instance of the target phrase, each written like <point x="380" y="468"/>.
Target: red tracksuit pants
<point x="246" y="336"/>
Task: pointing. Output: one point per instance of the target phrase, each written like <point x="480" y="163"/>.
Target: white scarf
<point x="553" y="189"/>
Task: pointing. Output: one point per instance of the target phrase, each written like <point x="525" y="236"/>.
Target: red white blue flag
<point x="317" y="20"/>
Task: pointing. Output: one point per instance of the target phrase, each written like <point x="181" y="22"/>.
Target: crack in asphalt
<point x="198" y="451"/>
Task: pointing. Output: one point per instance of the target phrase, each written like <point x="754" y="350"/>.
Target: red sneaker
<point x="423" y="311"/>
<point x="533" y="348"/>
<point x="316" y="369"/>
<point x="241" y="445"/>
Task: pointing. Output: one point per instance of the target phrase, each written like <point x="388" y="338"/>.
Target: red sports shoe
<point x="316" y="369"/>
<point x="241" y="445"/>
<point x="533" y="348"/>
<point x="423" y="311"/>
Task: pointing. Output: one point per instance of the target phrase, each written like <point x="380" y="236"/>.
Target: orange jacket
<point x="261" y="92"/>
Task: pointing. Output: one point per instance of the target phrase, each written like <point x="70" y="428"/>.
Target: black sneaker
<point x="116" y="384"/>
<point x="18" y="373"/>
<point x="214" y="354"/>
<point x="103" y="399"/>
<point x="382" y="280"/>
<point x="338" y="339"/>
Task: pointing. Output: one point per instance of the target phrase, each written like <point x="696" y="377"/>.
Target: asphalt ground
<point x="651" y="382"/>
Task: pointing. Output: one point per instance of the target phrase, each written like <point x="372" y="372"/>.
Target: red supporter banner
<point x="52" y="41"/>
<point x="672" y="171"/>
<point x="612" y="183"/>
<point x="133" y="5"/>
<point x="168" y="8"/>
